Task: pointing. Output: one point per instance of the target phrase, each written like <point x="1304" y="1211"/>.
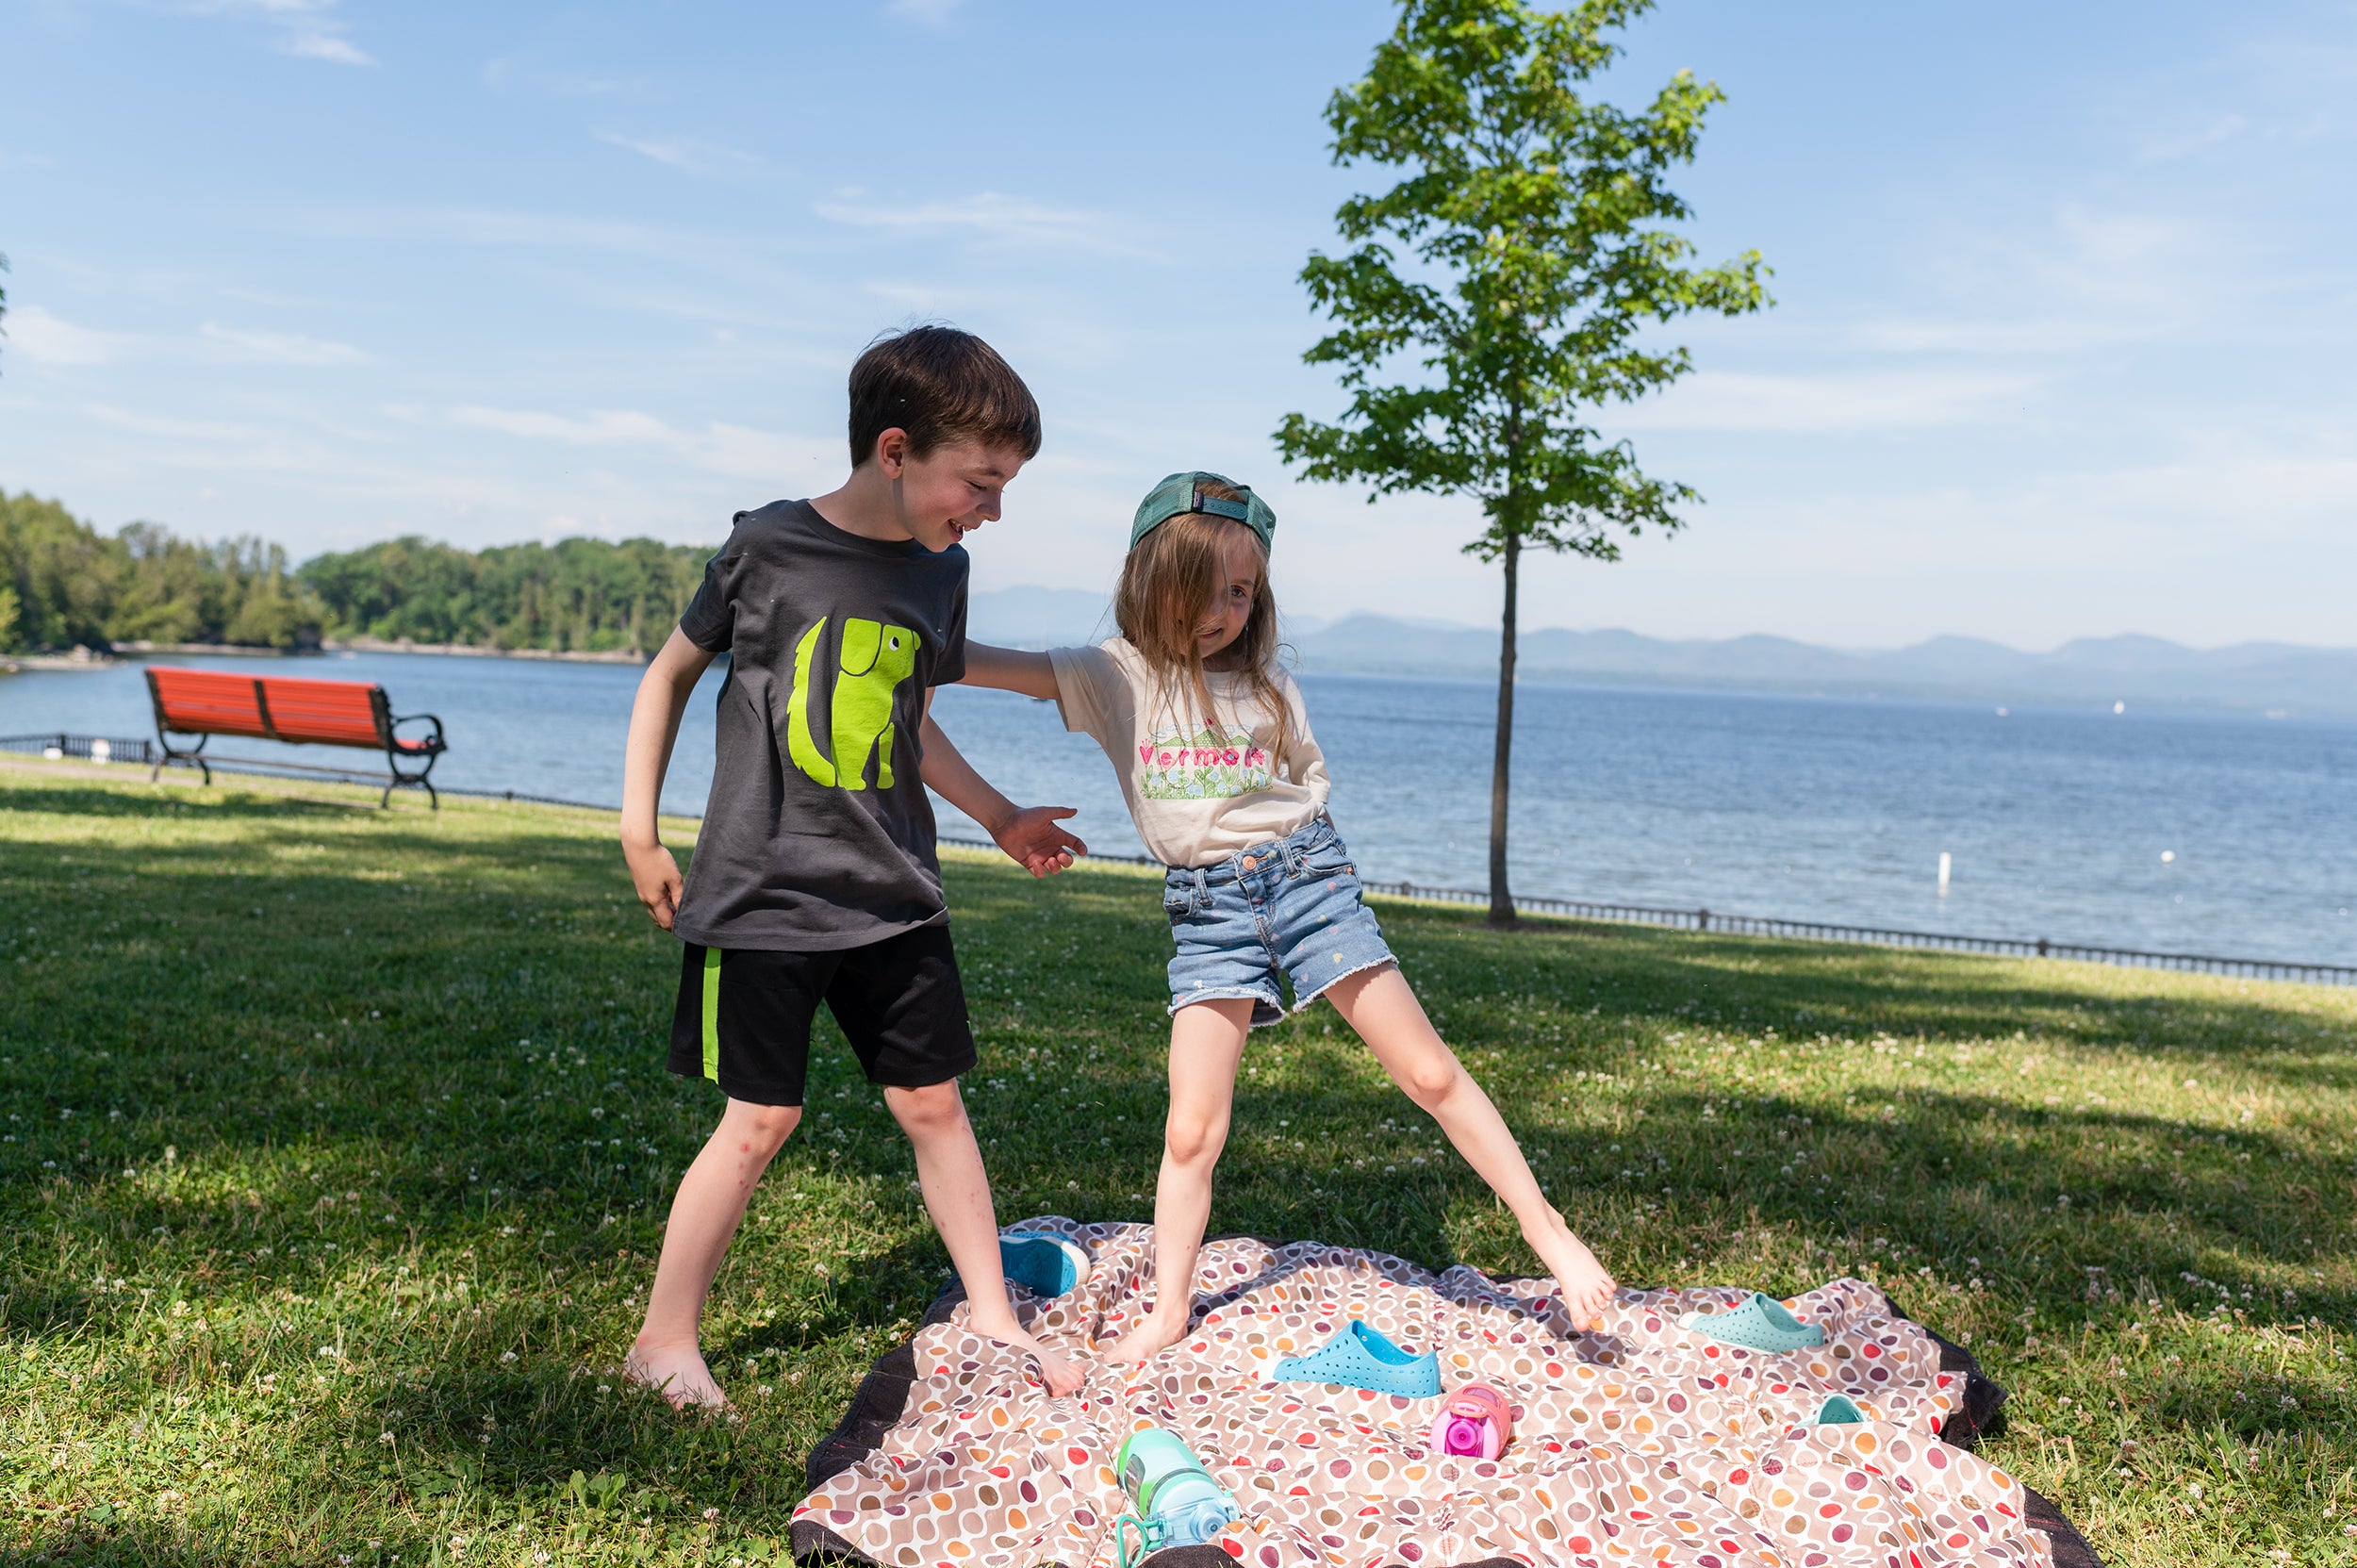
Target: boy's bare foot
<point x="1586" y="1285"/>
<point x="1153" y="1335"/>
<point x="678" y="1374"/>
<point x="1062" y="1376"/>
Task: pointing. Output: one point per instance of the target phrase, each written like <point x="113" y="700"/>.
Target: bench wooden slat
<point x="205" y="701"/>
<point x="332" y="712"/>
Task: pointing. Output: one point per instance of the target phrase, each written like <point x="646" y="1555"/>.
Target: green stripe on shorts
<point x="712" y="1013"/>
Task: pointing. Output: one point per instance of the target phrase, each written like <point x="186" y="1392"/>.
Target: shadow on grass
<point x="1856" y="991"/>
<point x="229" y="805"/>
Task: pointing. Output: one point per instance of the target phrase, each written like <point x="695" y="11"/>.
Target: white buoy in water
<point x="1944" y="864"/>
<point x="2167" y="855"/>
<point x="2120" y="707"/>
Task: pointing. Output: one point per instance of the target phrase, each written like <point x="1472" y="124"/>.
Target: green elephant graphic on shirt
<point x="876" y="659"/>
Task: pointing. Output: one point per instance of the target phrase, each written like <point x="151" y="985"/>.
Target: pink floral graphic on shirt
<point x="1209" y="764"/>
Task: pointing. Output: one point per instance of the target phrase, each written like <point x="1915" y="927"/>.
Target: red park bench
<point x="210" y="702"/>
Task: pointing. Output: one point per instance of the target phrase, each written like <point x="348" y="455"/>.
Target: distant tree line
<point x="576" y="595"/>
<point x="63" y="584"/>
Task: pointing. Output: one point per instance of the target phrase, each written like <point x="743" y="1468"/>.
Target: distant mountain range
<point x="2252" y="677"/>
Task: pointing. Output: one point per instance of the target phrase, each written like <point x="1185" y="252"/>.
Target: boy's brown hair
<point x="940" y="385"/>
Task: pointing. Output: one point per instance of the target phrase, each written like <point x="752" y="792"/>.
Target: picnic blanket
<point x="1636" y="1443"/>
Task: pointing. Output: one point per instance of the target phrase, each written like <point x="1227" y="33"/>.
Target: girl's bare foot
<point x="676" y="1373"/>
<point x="1586" y="1285"/>
<point x="1061" y="1374"/>
<point x="1153" y="1335"/>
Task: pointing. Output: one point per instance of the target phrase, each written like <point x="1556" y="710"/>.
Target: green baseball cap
<point x="1183" y="492"/>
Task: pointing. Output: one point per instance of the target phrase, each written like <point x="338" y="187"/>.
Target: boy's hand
<point x="656" y="875"/>
<point x="1034" y="840"/>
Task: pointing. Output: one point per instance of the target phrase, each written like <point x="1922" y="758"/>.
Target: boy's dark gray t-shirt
<point x="818" y="834"/>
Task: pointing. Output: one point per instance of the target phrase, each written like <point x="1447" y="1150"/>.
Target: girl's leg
<point x="1379" y="1004"/>
<point x="1206" y="1042"/>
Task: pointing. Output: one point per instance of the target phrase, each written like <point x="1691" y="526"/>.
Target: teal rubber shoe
<point x="1360" y="1357"/>
<point x="1838" y="1411"/>
<point x="1047" y="1264"/>
<point x="1759" y="1324"/>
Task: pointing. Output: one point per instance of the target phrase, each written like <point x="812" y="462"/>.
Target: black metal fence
<point x="88" y="748"/>
<point x="144" y="754"/>
<point x="1821" y="931"/>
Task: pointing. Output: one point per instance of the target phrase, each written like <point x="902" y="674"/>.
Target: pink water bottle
<point x="1474" y="1422"/>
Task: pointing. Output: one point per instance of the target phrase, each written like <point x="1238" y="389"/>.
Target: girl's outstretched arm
<point x="1010" y="669"/>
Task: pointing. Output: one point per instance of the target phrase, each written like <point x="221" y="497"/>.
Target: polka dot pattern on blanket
<point x="1638" y="1443"/>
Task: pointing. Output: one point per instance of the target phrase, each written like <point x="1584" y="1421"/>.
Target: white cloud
<point x="734" y="450"/>
<point x="2238" y="536"/>
<point x="2047" y="335"/>
<point x="178" y="429"/>
<point x="1826" y="405"/>
<point x="705" y="159"/>
<point x="531" y="229"/>
<point x="278" y="348"/>
<point x="510" y="72"/>
<point x="592" y="430"/>
<point x="2082" y="279"/>
<point x="325" y="46"/>
<point x="990" y="216"/>
<point x="45" y="340"/>
<point x="308" y="29"/>
<point x="2244" y="489"/>
<point x="2186" y="143"/>
<point x="932" y="13"/>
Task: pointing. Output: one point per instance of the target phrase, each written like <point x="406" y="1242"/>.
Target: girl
<point x="1228" y="791"/>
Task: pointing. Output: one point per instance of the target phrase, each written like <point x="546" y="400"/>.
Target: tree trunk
<point x="1501" y="897"/>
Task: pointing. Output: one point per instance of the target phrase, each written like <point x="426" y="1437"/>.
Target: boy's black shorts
<point x="744" y="1014"/>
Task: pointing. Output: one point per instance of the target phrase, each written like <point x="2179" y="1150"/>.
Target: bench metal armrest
<point x="437" y="743"/>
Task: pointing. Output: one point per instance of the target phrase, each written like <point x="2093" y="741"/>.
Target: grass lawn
<point x="338" y="1146"/>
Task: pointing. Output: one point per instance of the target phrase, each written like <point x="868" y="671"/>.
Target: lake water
<point x="1821" y="809"/>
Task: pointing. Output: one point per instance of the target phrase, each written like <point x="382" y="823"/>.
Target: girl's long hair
<point x="1168" y="586"/>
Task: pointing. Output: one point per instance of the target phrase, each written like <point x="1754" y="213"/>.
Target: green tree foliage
<point x="576" y="595"/>
<point x="1535" y="226"/>
<point x="62" y="583"/>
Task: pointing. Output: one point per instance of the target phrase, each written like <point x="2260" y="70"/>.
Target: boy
<point x="814" y="876"/>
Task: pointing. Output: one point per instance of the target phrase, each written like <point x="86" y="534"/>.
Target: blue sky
<point x="2066" y="293"/>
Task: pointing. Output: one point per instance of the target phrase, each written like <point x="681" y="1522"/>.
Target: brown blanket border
<point x="883" y="1395"/>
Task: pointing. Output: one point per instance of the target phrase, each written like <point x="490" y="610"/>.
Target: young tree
<point x="1537" y="221"/>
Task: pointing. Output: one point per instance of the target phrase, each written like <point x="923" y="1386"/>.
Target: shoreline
<point x="2139" y="704"/>
<point x="129" y="652"/>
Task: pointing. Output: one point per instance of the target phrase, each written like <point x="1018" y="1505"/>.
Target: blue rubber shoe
<point x="1360" y="1357"/>
<point x="1838" y="1411"/>
<point x="1045" y="1264"/>
<point x="1759" y="1324"/>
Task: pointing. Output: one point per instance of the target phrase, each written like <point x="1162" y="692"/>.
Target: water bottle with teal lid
<point x="1175" y="1502"/>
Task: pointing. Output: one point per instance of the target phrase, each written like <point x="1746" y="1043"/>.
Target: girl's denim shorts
<point x="1290" y="906"/>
